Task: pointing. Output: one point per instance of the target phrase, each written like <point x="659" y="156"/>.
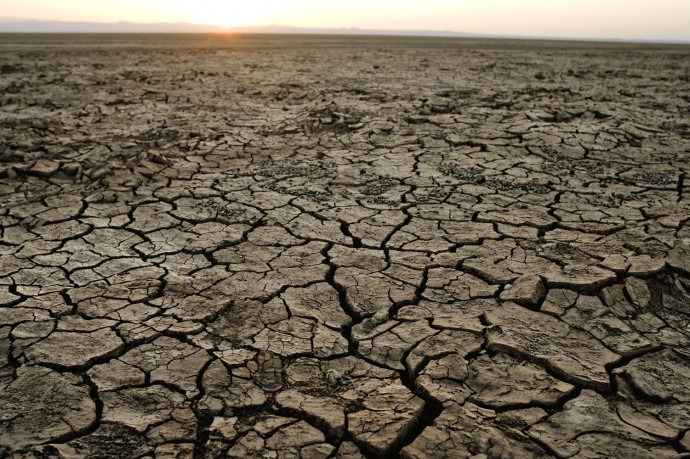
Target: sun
<point x="226" y="13"/>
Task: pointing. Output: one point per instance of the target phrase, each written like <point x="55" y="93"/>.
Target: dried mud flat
<point x="343" y="247"/>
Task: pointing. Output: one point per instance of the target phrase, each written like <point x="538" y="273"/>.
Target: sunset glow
<point x="643" y="19"/>
<point x="224" y="13"/>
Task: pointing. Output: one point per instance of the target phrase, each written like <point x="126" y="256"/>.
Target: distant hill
<point x="276" y="29"/>
<point x="32" y="26"/>
<point x="14" y="25"/>
<point x="9" y="25"/>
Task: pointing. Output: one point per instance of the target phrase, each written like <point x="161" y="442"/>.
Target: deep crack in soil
<point x="343" y="247"/>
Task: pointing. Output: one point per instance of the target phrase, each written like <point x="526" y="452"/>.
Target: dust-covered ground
<point x="343" y="247"/>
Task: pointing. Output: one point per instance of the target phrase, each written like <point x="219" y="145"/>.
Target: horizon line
<point x="300" y="30"/>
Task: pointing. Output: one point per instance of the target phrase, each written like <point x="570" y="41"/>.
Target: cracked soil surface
<point x="343" y="247"/>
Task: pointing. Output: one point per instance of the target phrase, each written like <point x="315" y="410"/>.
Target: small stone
<point x="224" y="428"/>
<point x="45" y="167"/>
<point x="527" y="290"/>
<point x="333" y="377"/>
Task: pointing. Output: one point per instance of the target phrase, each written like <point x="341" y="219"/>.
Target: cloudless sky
<point x="643" y="19"/>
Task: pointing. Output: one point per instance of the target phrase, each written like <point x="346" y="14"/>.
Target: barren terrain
<point x="352" y="247"/>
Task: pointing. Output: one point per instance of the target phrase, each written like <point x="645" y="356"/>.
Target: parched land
<point x="321" y="247"/>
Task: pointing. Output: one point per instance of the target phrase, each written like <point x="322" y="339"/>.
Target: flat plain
<point x="314" y="247"/>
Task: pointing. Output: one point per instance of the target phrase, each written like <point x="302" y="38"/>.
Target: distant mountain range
<point x="35" y="26"/>
<point x="9" y="25"/>
<point x="17" y="25"/>
<point x="350" y="31"/>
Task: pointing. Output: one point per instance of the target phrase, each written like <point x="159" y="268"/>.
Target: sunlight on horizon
<point x="224" y="13"/>
<point x="644" y="19"/>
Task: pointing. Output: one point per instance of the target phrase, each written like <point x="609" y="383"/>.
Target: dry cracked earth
<point x="317" y="248"/>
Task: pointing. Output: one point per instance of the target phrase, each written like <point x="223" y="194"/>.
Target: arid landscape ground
<point x="354" y="247"/>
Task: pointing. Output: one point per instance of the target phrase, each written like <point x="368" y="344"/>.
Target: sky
<point x="626" y="19"/>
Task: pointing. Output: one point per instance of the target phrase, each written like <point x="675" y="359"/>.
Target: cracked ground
<point x="343" y="247"/>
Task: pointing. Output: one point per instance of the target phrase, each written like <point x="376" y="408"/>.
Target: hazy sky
<point x="645" y="19"/>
